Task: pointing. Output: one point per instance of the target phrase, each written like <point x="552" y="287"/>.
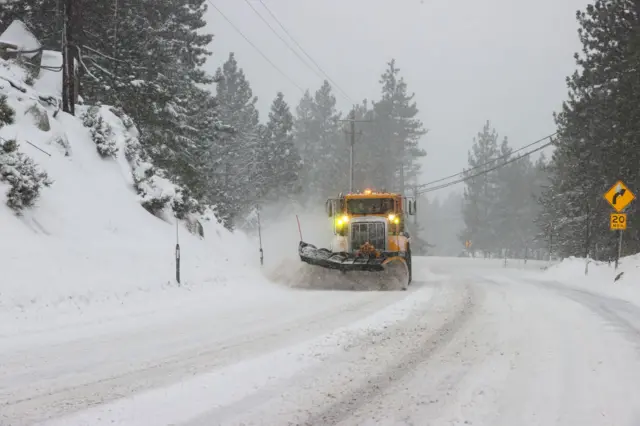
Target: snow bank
<point x="600" y="277"/>
<point x="88" y="239"/>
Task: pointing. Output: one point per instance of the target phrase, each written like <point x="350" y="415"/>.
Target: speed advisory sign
<point x="618" y="221"/>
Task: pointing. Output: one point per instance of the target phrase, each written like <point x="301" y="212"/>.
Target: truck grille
<point x="371" y="232"/>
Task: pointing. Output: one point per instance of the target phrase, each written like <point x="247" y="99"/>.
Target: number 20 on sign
<point x="618" y="221"/>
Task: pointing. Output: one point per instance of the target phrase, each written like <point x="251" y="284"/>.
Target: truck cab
<point x="370" y="220"/>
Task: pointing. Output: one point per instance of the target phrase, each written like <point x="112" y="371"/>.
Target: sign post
<point x="619" y="196"/>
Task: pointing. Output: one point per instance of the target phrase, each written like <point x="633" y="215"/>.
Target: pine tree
<point x="237" y="109"/>
<point x="305" y="131"/>
<point x="332" y="164"/>
<point x="441" y="221"/>
<point x="512" y="219"/>
<point x="500" y="220"/>
<point x="481" y="191"/>
<point x="366" y="154"/>
<point x="540" y="231"/>
<point x="145" y="57"/>
<point x="280" y="163"/>
<point x="397" y="131"/>
<point x="321" y="145"/>
<point x="599" y="133"/>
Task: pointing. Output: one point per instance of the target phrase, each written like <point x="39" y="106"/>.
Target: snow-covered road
<point x="469" y="343"/>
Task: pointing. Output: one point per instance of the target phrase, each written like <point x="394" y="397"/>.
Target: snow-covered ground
<point x="471" y="342"/>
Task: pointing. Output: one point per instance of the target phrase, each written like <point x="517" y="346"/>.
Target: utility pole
<point x="352" y="143"/>
<point x="68" y="58"/>
<point x="415" y="198"/>
<point x="402" y="168"/>
<point x="351" y="148"/>
<point x="65" y="58"/>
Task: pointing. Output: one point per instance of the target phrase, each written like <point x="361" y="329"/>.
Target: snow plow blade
<point x="341" y="261"/>
<point x="346" y="261"/>
<point x="392" y="267"/>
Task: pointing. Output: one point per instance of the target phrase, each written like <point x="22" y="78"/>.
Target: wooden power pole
<point x="352" y="143"/>
<point x="69" y="53"/>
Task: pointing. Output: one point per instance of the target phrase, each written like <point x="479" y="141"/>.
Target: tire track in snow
<point x="522" y="340"/>
<point x="421" y="351"/>
<point x="32" y="401"/>
<point x="621" y="314"/>
<point x="367" y="365"/>
<point x="592" y="341"/>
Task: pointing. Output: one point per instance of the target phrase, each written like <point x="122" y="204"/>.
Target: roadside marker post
<point x="177" y="253"/>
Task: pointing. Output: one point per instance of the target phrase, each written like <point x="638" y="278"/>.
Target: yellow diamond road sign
<point x="619" y="196"/>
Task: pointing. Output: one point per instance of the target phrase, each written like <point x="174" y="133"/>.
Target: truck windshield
<point x="370" y="206"/>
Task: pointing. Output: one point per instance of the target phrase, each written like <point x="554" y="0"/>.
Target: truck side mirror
<point x="415" y="206"/>
<point x="328" y="208"/>
<point x="412" y="207"/>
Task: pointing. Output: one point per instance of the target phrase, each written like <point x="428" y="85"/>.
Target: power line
<point x="488" y="162"/>
<point x="281" y="38"/>
<point x="305" y="52"/>
<point x="446" y="185"/>
<point x="255" y="47"/>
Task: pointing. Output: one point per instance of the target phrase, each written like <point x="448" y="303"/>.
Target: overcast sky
<point x="467" y="61"/>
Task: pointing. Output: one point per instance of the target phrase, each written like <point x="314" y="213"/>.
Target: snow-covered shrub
<point x="7" y="114"/>
<point x="155" y="205"/>
<point x="29" y="80"/>
<point x="18" y="170"/>
<point x="132" y="149"/>
<point x="184" y="204"/>
<point x="155" y="190"/>
<point x="194" y="226"/>
<point x="62" y="141"/>
<point x="157" y="193"/>
<point x="126" y="120"/>
<point x="101" y="132"/>
<point x="23" y="176"/>
<point x="39" y="116"/>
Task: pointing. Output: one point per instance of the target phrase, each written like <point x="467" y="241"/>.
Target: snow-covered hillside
<point x="88" y="239"/>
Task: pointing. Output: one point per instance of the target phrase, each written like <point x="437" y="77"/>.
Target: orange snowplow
<point x="369" y="235"/>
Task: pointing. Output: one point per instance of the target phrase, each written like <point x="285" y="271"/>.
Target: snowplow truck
<point x="368" y="235"/>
